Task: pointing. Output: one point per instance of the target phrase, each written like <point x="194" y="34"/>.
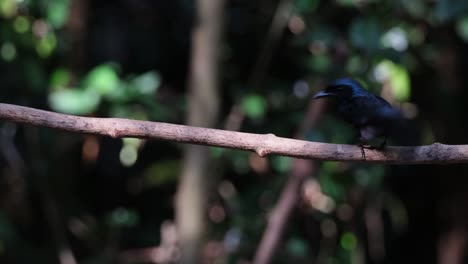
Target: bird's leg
<point x="363" y="153"/>
<point x="363" y="146"/>
<point x="365" y="136"/>
<point x="379" y="147"/>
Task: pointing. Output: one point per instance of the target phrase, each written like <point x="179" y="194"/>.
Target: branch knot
<point x="262" y="151"/>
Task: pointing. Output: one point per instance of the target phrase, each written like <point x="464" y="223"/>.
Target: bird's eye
<point x="339" y="88"/>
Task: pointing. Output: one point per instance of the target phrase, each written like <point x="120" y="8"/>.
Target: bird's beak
<point x="321" y="94"/>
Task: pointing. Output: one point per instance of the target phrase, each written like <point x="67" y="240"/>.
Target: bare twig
<point x="262" y="144"/>
<point x="280" y="20"/>
<point x="278" y="220"/>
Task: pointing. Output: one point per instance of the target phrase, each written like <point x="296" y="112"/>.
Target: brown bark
<point x="262" y="144"/>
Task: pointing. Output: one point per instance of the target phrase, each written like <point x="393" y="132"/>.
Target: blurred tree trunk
<point x="452" y="246"/>
<point x="203" y="105"/>
<point x="77" y="26"/>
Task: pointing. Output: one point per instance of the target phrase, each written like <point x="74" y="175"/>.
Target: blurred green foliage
<point x="130" y="59"/>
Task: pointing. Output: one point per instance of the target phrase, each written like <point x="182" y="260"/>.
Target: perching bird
<point x="371" y="114"/>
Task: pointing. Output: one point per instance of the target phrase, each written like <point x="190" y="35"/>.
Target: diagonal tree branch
<point x="262" y="144"/>
<point x="278" y="220"/>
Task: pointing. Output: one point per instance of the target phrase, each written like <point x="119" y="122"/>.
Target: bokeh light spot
<point x="226" y="189"/>
<point x="301" y="89"/>
<point x="90" y="149"/>
<point x="395" y="38"/>
<point x="348" y="241"/>
<point x="217" y="214"/>
<point x="296" y="25"/>
<point x="40" y="28"/>
<point x="128" y="155"/>
<point x="46" y="45"/>
<point x="123" y="217"/>
<point x="8" y="51"/>
<point x="345" y="212"/>
<point x="8" y="8"/>
<point x="21" y="24"/>
<point x="328" y="228"/>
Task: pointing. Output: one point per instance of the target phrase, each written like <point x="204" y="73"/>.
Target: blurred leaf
<point x="397" y="212"/>
<point x="365" y="33"/>
<point x="35" y="74"/>
<point x="448" y="9"/>
<point x="57" y="12"/>
<point x="330" y="186"/>
<point x="102" y="80"/>
<point x="120" y="111"/>
<point x="323" y="33"/>
<point x="8" y="51"/>
<point x="398" y="77"/>
<point x="240" y="161"/>
<point x="416" y="35"/>
<point x="124" y="111"/>
<point x="147" y="83"/>
<point x="416" y="8"/>
<point x="162" y="172"/>
<point x="136" y="142"/>
<point x="355" y="65"/>
<point x="297" y="247"/>
<point x="370" y="177"/>
<point x="307" y="5"/>
<point x="348" y="241"/>
<point x="123" y="217"/>
<point x="128" y="155"/>
<point x="338" y="131"/>
<point x="74" y="101"/>
<point x="346" y="2"/>
<point x="60" y="78"/>
<point x="129" y="152"/>
<point x="281" y="164"/>
<point x="7" y="229"/>
<point x="217" y="152"/>
<point x="462" y="28"/>
<point x="254" y="106"/>
<point x="21" y="24"/>
<point x="8" y="8"/>
<point x="122" y="94"/>
<point x="138" y="114"/>
<point x="329" y="167"/>
<point x="427" y="136"/>
<point x="319" y="63"/>
<point x="400" y="82"/>
<point x="46" y="45"/>
<point x="314" y="135"/>
<point x="395" y="38"/>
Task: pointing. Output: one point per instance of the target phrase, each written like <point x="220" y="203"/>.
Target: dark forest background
<point x="67" y="198"/>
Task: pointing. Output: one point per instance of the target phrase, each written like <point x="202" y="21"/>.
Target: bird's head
<point x="341" y="88"/>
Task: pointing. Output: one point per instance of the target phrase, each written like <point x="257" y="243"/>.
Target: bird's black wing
<point x="383" y="101"/>
<point x="369" y="109"/>
<point x="357" y="110"/>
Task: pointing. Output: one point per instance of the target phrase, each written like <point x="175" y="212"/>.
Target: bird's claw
<point x="363" y="153"/>
<point x="379" y="147"/>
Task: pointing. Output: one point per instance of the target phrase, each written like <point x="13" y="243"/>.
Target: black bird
<point x="371" y="114"/>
